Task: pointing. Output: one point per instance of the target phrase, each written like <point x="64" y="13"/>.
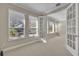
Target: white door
<point x="72" y="29"/>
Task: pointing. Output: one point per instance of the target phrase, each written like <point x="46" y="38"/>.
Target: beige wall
<point x="3" y="20"/>
<point x="4" y="43"/>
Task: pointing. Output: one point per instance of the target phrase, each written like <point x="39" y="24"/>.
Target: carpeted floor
<point x="54" y="47"/>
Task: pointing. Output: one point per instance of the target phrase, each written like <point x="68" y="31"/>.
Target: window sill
<point x="16" y="38"/>
<point x="51" y="32"/>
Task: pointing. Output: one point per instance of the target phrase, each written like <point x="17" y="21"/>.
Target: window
<point x="33" y="26"/>
<point x="56" y="27"/>
<point x="50" y="27"/>
<point x="16" y="24"/>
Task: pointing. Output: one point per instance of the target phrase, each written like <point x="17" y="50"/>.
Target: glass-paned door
<point x="72" y="38"/>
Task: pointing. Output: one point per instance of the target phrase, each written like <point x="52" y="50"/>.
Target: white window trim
<point x="34" y="35"/>
<point x="11" y="39"/>
<point x="52" y="28"/>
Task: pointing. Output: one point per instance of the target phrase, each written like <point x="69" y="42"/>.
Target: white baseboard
<point x="18" y="46"/>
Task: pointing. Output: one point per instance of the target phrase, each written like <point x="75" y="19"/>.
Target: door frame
<point x="73" y="52"/>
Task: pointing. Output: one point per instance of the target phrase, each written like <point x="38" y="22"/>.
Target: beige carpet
<point x="54" y="47"/>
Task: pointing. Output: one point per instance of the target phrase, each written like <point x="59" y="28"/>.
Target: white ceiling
<point x="41" y="8"/>
<point x="60" y="16"/>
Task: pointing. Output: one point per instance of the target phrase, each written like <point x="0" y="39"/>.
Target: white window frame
<point x="9" y="14"/>
<point x="56" y="27"/>
<point x="48" y="27"/>
<point x="36" y="19"/>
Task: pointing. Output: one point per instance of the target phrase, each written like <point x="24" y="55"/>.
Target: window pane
<point x="16" y="24"/>
<point x="56" y="27"/>
<point x="33" y="26"/>
<point x="50" y="27"/>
